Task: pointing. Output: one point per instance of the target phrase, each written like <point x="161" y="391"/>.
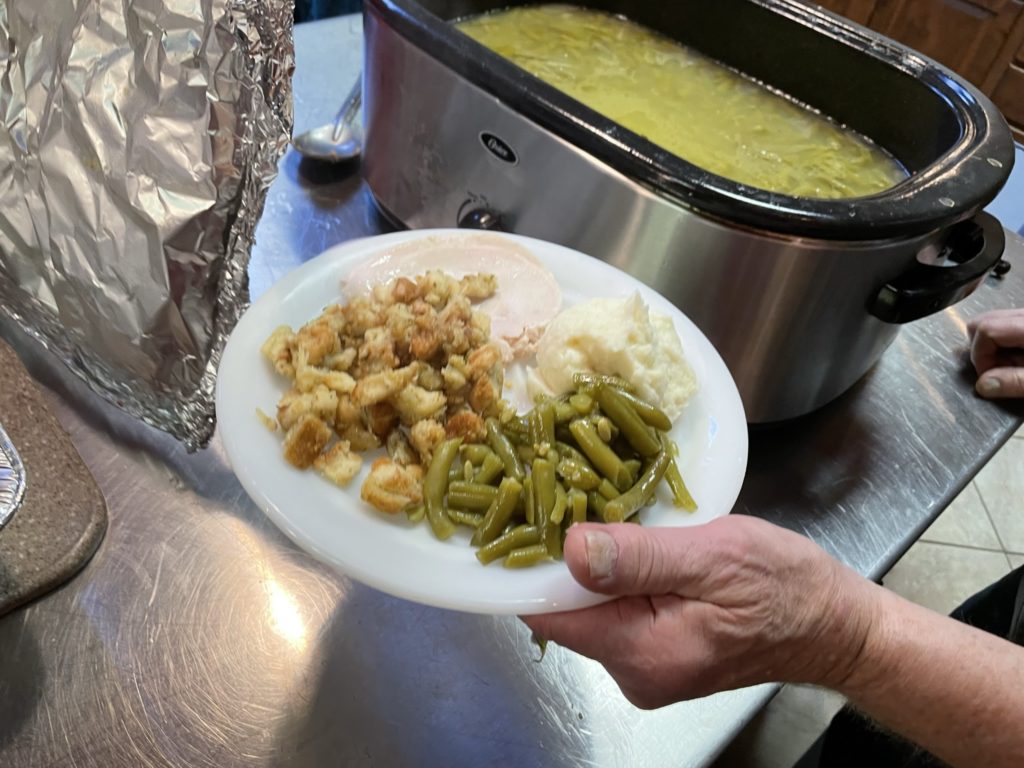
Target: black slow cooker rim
<point x="931" y="199"/>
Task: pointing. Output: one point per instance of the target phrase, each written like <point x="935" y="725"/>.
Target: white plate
<point x="388" y="553"/>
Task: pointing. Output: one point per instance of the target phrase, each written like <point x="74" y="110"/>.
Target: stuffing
<point x="467" y="425"/>
<point x="338" y="463"/>
<point x="408" y="365"/>
<point x="391" y="487"/>
<point x="305" y="440"/>
<point x="425" y="436"/>
<point x="399" y="449"/>
<point x="278" y="350"/>
<point x="415" y="403"/>
<point x="380" y="386"/>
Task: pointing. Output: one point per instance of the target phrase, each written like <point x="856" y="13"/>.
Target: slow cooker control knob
<point x="480" y="218"/>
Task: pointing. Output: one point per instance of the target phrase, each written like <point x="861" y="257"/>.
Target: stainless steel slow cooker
<point x="800" y="296"/>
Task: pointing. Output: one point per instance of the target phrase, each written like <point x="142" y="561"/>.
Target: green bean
<point x="605" y="429"/>
<point x="680" y="493"/>
<point x="472" y="496"/>
<point x="545" y="494"/>
<point x="516" y="429"/>
<point x="581" y="403"/>
<point x="518" y="537"/>
<point x="582" y="379"/>
<point x="634" y="466"/>
<point x="628" y="503"/>
<point x="652" y="415"/>
<point x="467" y="471"/>
<point x="536" y="428"/>
<point x="607" y="490"/>
<point x="500" y="511"/>
<point x="490" y="468"/>
<point x="526" y="453"/>
<point x="596" y="503"/>
<point x="501" y="446"/>
<point x="526" y="556"/>
<point x="602" y="457"/>
<point x="543" y="475"/>
<point x="566" y="451"/>
<point x="416" y="513"/>
<point x="472" y="519"/>
<point x="631" y="426"/>
<point x="543" y="488"/>
<point x="476" y="452"/>
<point x="551" y="538"/>
<point x="579" y="475"/>
<point x="564" y="412"/>
<point x="435" y="485"/>
<point x="529" y="500"/>
<point x="561" y="502"/>
<point x="455" y="473"/>
<point x="546" y="416"/>
<point x="578" y="505"/>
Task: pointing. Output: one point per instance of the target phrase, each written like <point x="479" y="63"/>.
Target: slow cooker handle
<point x="974" y="245"/>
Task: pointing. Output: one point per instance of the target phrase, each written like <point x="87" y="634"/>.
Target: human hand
<point x="997" y="352"/>
<point x="714" y="607"/>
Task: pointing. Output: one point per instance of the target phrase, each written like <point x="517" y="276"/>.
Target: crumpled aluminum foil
<point x="138" y="141"/>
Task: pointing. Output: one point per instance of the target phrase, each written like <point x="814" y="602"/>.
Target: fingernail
<point x="601" y="554"/>
<point x="989" y="387"/>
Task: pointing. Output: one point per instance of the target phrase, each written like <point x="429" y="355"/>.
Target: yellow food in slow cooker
<point x="687" y="103"/>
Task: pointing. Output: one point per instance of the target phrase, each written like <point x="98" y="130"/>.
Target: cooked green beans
<point x="524" y="556"/>
<point x="680" y="493"/>
<point x="546" y="411"/>
<point x="435" y="485"/>
<point x="578" y="505"/>
<point x="582" y="379"/>
<point x="621" y="508"/>
<point x="500" y="511"/>
<point x="655" y="417"/>
<point x="503" y="448"/>
<point x="472" y="519"/>
<point x="561" y="502"/>
<point x="630" y="425"/>
<point x="471" y="496"/>
<point x="599" y="454"/>
<point x="490" y="468"/>
<point x="476" y="452"/>
<point x="518" y="537"/>
<point x="579" y="475"/>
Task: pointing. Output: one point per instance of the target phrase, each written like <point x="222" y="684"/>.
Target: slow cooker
<point x="800" y="296"/>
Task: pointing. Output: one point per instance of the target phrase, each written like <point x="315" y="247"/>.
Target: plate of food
<point x="430" y="411"/>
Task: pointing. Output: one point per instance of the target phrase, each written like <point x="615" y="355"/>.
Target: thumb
<point x="1001" y="383"/>
<point x="625" y="559"/>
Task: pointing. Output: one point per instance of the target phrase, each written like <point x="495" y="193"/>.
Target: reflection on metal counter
<point x="12" y="478"/>
<point x="198" y="636"/>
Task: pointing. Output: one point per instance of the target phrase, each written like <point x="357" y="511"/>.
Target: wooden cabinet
<point x="981" y="40"/>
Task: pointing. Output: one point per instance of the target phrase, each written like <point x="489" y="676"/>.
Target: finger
<point x="1000" y="383"/>
<point x="626" y="559"/>
<point x="974" y="322"/>
<point x="596" y="631"/>
<point x="993" y="335"/>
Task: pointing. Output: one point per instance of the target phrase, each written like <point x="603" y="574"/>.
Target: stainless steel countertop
<point x="199" y="636"/>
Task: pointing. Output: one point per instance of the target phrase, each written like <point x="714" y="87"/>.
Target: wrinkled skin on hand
<point x="997" y="352"/>
<point x="708" y="608"/>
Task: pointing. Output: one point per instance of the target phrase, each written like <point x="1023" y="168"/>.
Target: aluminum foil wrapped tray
<point x="137" y="143"/>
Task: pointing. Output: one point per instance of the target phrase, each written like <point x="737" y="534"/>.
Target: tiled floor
<point x="976" y="540"/>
